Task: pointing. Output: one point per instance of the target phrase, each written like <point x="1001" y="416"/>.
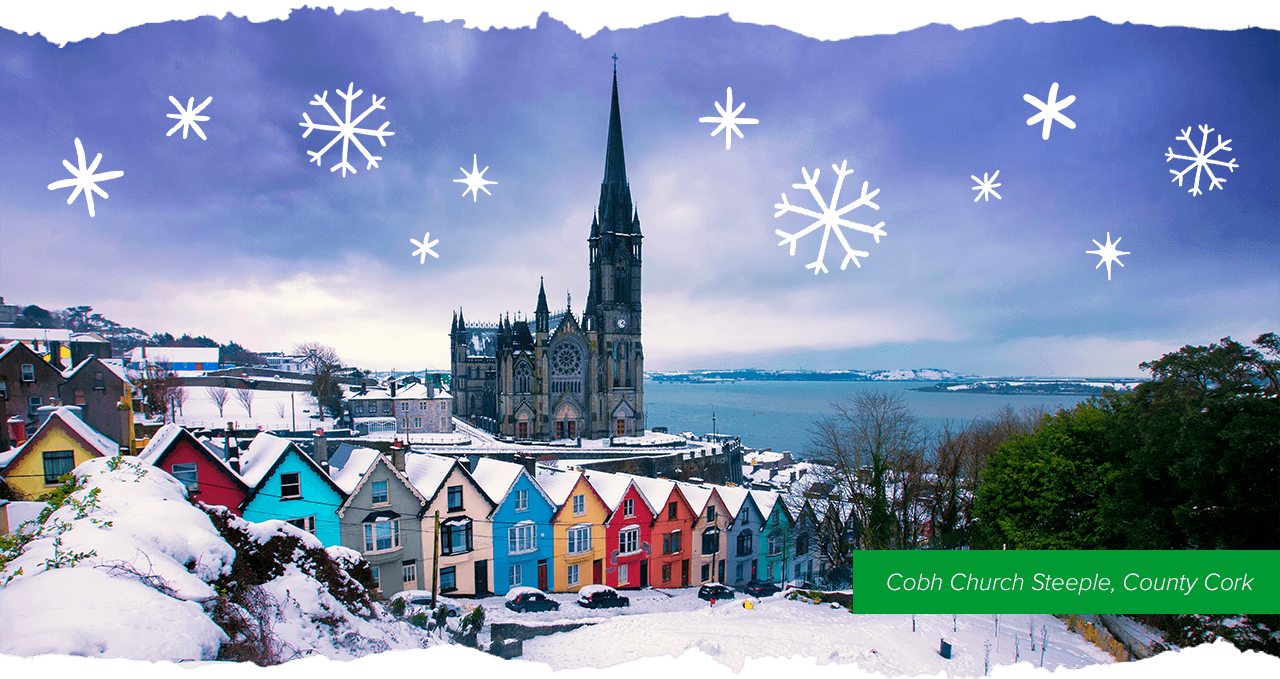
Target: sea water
<point x="780" y="415"/>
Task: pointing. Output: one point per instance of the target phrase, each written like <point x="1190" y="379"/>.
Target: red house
<point x="627" y="530"/>
<point x="672" y="532"/>
<point x="206" y="475"/>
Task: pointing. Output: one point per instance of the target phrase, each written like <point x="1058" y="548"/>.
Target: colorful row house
<point x="382" y="517"/>
<point x="578" y="528"/>
<point x="60" y="443"/>
<point x="458" y="511"/>
<point x="672" y="561"/>
<point x="523" y="534"/>
<point x="286" y="484"/>
<point x="208" y="478"/>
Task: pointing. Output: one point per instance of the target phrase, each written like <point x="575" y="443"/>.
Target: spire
<point x="615" y="167"/>
<point x="462" y="322"/>
<point x="542" y="316"/>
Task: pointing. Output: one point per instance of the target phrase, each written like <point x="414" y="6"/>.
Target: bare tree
<point x="179" y="398"/>
<point x="219" y="396"/>
<point x="280" y="409"/>
<point x="245" y="396"/>
<point x="158" y="385"/>
<point x="321" y="362"/>
<point x="875" y="449"/>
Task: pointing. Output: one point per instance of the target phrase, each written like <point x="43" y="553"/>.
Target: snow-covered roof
<point x="426" y="471"/>
<point x="115" y="366"/>
<point x="654" y="491"/>
<point x="697" y="495"/>
<point x="764" y="501"/>
<point x="370" y="395"/>
<point x="35" y="334"/>
<point x="557" y="484"/>
<point x="609" y="486"/>
<point x="262" y="454"/>
<point x="417" y="392"/>
<point x="20" y="512"/>
<point x="94" y="437"/>
<point x="160" y="441"/>
<point x="496" y="477"/>
<point x="733" y="498"/>
<point x="175" y="354"/>
<point x="358" y="462"/>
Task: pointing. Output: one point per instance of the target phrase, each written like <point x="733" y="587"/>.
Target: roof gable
<point x="64" y="419"/>
<point x="380" y="460"/>
<point x="260" y="464"/>
<point x="584" y="484"/>
<point x="166" y="439"/>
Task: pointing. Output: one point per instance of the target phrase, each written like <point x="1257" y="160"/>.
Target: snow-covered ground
<point x="272" y="410"/>
<point x="669" y="623"/>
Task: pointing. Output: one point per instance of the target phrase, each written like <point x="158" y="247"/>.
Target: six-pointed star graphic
<point x="474" y="180"/>
<point x="1050" y="111"/>
<point x="1108" y="253"/>
<point x="424" y="248"/>
<point x="85" y="180"/>
<point x="728" y="121"/>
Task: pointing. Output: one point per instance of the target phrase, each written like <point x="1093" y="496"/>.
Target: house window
<point x="381" y="536"/>
<point x="744" y="543"/>
<point x="28" y="372"/>
<point x="417" y="423"/>
<point x="737" y="572"/>
<point x="579" y="505"/>
<point x="186" y="473"/>
<point x="455" y="536"/>
<point x="623" y="574"/>
<point x="422" y="405"/>
<point x="515" y="575"/>
<point x="57" y="463"/>
<point x="386" y="407"/>
<point x="671" y="543"/>
<point x="671" y="511"/>
<point x="521" y="538"/>
<point x="33" y="405"/>
<point x="97" y="382"/>
<point x="377" y="582"/>
<point x="448" y="579"/>
<point x="404" y="407"/>
<point x="768" y="572"/>
<point x="410" y="571"/>
<point x="666" y="572"/>
<point x="379" y="493"/>
<point x="573" y="575"/>
<point x="79" y="397"/>
<point x="290" y="486"/>
<point x="775" y="543"/>
<point x="455" y="498"/>
<point x="629" y="540"/>
<point x="628" y="507"/>
<point x="4" y="391"/>
<point x="711" y="541"/>
<point x="359" y="409"/>
<point x="307" y="523"/>
<point x="802" y="544"/>
<point x="579" y="539"/>
<point x="522" y="500"/>
<point x="711" y="514"/>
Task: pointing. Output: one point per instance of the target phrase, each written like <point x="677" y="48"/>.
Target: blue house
<point x="286" y="484"/>
<point x="522" y="536"/>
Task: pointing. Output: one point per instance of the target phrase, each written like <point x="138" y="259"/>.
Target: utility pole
<point x="293" y="412"/>
<point x="435" y="562"/>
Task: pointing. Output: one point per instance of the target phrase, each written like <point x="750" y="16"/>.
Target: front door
<point x="597" y="572"/>
<point x="542" y="575"/>
<point x="482" y="577"/>
<point x="721" y="578"/>
<point x="753" y="569"/>
<point x="644" y="573"/>
<point x="684" y="573"/>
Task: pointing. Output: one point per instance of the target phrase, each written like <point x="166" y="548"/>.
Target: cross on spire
<point x="615" y="62"/>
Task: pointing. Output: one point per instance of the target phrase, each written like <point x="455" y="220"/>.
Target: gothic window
<point x="620" y="284"/>
<point x="566" y="368"/>
<point x="523" y="378"/>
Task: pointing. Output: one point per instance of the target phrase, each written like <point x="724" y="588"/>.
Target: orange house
<point x="578" y="527"/>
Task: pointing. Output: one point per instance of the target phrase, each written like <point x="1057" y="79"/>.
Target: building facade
<point x="566" y="377"/>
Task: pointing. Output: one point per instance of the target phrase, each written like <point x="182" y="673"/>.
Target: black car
<point x="760" y="589"/>
<point x="599" y="596"/>
<point x="532" y="600"/>
<point x="714" y="591"/>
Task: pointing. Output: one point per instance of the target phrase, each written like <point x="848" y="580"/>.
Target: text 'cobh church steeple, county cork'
<point x="564" y="378"/>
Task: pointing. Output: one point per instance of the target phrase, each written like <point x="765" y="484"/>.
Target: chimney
<point x="17" y="430"/>
<point x="55" y="355"/>
<point x="472" y="460"/>
<point x="43" y="413"/>
<point x="397" y="455"/>
<point x="393" y="386"/>
<point x="321" y="448"/>
<point x="431" y="387"/>
<point x="530" y="464"/>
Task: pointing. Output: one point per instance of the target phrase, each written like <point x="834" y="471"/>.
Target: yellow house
<point x="60" y="444"/>
<point x="578" y="529"/>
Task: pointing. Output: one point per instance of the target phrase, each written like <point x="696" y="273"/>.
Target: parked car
<point x="525" y="599"/>
<point x="757" y="588"/>
<point x="715" y="591"/>
<point x="600" y="596"/>
<point x="415" y="602"/>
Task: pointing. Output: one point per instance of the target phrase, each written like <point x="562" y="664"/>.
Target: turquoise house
<point x="521" y="523"/>
<point x="775" y="537"/>
<point x="286" y="484"/>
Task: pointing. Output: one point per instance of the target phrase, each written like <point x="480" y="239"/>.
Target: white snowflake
<point x="85" y="180"/>
<point x="986" y="187"/>
<point x="187" y="117"/>
<point x="1201" y="160"/>
<point x="1050" y="111"/>
<point x="728" y="121"/>
<point x="474" y="180"/>
<point x="346" y="129"/>
<point x="424" y="248"/>
<point x="829" y="218"/>
<point x="1109" y="253"/>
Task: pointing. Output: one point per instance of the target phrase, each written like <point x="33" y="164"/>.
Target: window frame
<point x="711" y="536"/>
<point x="579" y="539"/>
<point x="573" y="574"/>
<point x="191" y="468"/>
<point x="579" y="504"/>
<point x="372" y="537"/>
<point x="629" y="507"/>
<point x="631" y="535"/>
<point x="745" y="544"/>
<point x="307" y="523"/>
<point x="408" y="568"/>
<point x="515" y="575"/>
<point x="673" y="542"/>
<point x="28" y="372"/>
<point x="448" y="579"/>
<point x="454" y="492"/>
<point x="448" y="537"/>
<point x="521" y="500"/>
<point x="672" y="509"/>
<point x="54" y="465"/>
<point x="374" y="493"/>
<point x="296" y="483"/>
<point x="522" y="538"/>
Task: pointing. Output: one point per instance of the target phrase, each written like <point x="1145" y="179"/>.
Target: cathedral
<point x="566" y="377"/>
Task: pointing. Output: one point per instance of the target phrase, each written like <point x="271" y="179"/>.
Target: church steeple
<point x="542" y="316"/>
<point x="615" y="165"/>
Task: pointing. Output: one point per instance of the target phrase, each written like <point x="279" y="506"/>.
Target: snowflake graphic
<point x="986" y="188"/>
<point x="474" y="180"/>
<point x="1201" y="160"/>
<point x="346" y="129"/>
<point x="728" y="121"/>
<point x="85" y="180"/>
<point x="187" y="117"/>
<point x="1051" y="111"/>
<point x="424" y="248"/>
<point x="1109" y="253"/>
<point x="829" y="218"/>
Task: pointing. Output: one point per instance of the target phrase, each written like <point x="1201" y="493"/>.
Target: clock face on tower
<point x="622" y="323"/>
